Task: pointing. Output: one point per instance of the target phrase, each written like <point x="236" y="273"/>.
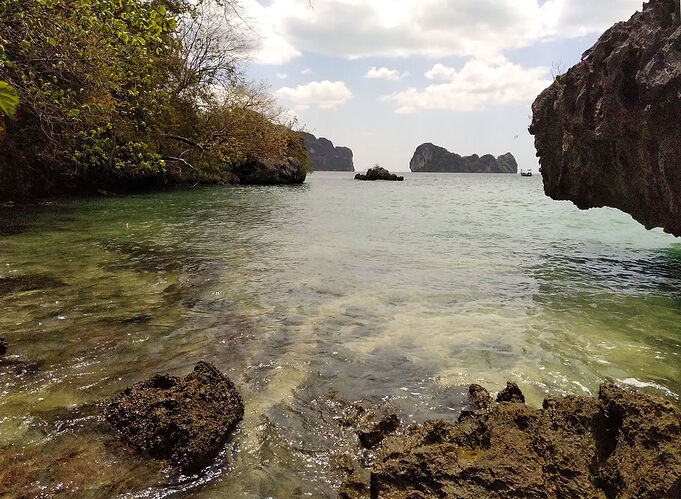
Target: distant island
<point x="325" y="157"/>
<point x="435" y="159"/>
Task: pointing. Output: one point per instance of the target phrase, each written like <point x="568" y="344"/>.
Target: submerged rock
<point x="325" y="157"/>
<point x="621" y="444"/>
<point x="256" y="171"/>
<point x="431" y="158"/>
<point x="186" y="421"/>
<point x="378" y="173"/>
<point x="3" y="346"/>
<point x="608" y="132"/>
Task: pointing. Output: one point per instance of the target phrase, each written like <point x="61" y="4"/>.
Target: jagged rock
<point x="257" y="171"/>
<point x="511" y="393"/>
<point x="325" y="157"/>
<point x="621" y="444"/>
<point x="378" y="173"/>
<point x="608" y="132"/>
<point x="3" y="346"/>
<point x="371" y="425"/>
<point x="479" y="396"/>
<point x="374" y="433"/>
<point x="356" y="484"/>
<point x="431" y="158"/>
<point x="186" y="421"/>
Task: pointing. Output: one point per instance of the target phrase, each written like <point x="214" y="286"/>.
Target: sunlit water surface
<point x="310" y="297"/>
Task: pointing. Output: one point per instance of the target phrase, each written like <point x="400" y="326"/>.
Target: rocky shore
<point x="620" y="444"/>
<point x="608" y="132"/>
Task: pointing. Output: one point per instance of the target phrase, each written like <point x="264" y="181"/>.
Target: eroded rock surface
<point x="431" y="158"/>
<point x="258" y="171"/>
<point x="184" y="420"/>
<point x="378" y="173"/>
<point x="608" y="132"/>
<point x="621" y="444"/>
<point x="511" y="393"/>
<point x="325" y="157"/>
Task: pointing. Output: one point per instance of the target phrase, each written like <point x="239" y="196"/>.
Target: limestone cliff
<point x="325" y="157"/>
<point x="608" y="132"/>
<point x="431" y="158"/>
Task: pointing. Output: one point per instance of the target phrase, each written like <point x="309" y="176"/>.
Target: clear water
<point x="310" y="297"/>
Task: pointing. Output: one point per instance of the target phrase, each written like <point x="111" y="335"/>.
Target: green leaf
<point x="9" y="100"/>
<point x="51" y="41"/>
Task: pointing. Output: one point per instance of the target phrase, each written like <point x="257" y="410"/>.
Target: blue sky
<point x="382" y="77"/>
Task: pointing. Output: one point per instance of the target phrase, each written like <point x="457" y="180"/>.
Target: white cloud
<point x="322" y="94"/>
<point x="433" y="28"/>
<point x="440" y="72"/>
<point x="306" y="71"/>
<point x="384" y="73"/>
<point x="281" y="76"/>
<point x="478" y="85"/>
<point x="270" y="45"/>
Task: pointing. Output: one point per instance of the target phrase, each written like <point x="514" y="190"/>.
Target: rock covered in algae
<point x="621" y="444"/>
<point x="608" y="132"/>
<point x="184" y="420"/>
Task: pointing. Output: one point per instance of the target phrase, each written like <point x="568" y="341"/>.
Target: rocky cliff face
<point x="432" y="158"/>
<point x="324" y="157"/>
<point x="608" y="132"/>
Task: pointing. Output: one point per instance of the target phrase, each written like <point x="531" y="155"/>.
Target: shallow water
<point x="311" y="297"/>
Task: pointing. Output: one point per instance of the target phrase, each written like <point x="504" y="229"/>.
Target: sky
<point x="383" y="77"/>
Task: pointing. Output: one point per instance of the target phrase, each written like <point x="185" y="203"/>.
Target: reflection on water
<point x="311" y="297"/>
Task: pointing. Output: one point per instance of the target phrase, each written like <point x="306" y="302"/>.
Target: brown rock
<point x="374" y="433"/>
<point x="511" y="394"/>
<point x="621" y="444"/>
<point x="479" y="396"/>
<point x="186" y="421"/>
<point x="608" y="132"/>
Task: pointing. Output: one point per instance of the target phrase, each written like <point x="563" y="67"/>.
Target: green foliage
<point x="113" y="87"/>
<point x="9" y="100"/>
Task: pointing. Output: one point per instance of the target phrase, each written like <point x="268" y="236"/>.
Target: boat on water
<point x="524" y="173"/>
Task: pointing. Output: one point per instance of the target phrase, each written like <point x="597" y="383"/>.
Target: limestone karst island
<point x="340" y="249"/>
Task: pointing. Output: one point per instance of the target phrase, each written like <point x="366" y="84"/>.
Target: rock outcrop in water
<point x="608" y="132"/>
<point x="257" y="171"/>
<point x="621" y="444"/>
<point x="186" y="421"/>
<point x="325" y="157"/>
<point x="378" y="173"/>
<point x="434" y="159"/>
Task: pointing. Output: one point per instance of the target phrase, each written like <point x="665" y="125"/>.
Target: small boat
<point x="524" y="173"/>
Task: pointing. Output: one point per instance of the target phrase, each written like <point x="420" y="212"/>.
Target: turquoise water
<point x="311" y="297"/>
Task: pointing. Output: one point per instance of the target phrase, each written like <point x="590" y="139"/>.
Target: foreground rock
<point x="608" y="132"/>
<point x="186" y="421"/>
<point x="325" y="157"/>
<point x="257" y="171"/>
<point x="621" y="444"/>
<point x="435" y="159"/>
<point x="378" y="173"/>
<point x="3" y="346"/>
